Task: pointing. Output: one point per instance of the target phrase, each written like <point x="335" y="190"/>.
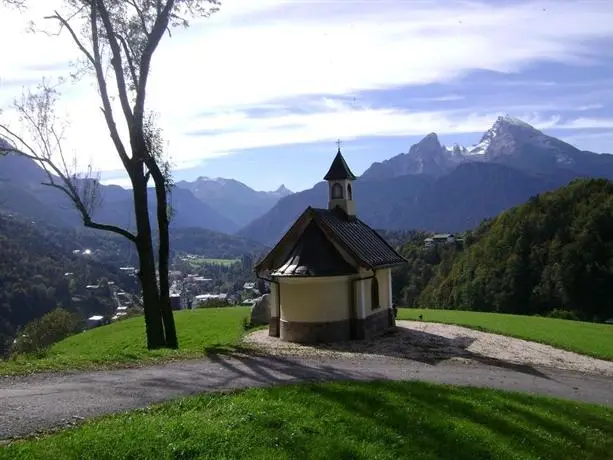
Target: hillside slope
<point x="232" y="199"/>
<point x="554" y="252"/>
<point x="39" y="271"/>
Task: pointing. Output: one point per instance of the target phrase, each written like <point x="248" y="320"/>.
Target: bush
<point x="563" y="314"/>
<point x="40" y="334"/>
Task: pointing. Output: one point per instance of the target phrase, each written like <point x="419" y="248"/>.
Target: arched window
<point x="337" y="191"/>
<point x="349" y="192"/>
<point x="374" y="293"/>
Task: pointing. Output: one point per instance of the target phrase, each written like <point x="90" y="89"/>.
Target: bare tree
<point x="116" y="40"/>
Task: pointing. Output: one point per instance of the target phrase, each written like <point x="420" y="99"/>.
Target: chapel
<point x="330" y="274"/>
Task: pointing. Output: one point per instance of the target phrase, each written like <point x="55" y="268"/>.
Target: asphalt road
<point x="46" y="401"/>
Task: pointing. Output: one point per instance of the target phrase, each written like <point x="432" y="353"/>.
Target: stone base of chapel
<point x="374" y="325"/>
<point x="334" y="331"/>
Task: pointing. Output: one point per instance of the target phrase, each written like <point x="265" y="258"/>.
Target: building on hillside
<point x="330" y="274"/>
<point x="440" y="238"/>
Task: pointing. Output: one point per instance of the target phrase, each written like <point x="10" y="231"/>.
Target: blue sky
<point x="261" y="90"/>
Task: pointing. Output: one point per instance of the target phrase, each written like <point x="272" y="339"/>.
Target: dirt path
<point x="46" y="401"/>
<point x="434" y="342"/>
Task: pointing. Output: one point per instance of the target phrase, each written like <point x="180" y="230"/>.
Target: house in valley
<point x="330" y="274"/>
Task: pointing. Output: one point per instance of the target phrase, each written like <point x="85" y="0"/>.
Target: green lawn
<point x="218" y="261"/>
<point x="587" y="338"/>
<point x="123" y="343"/>
<point x="341" y="420"/>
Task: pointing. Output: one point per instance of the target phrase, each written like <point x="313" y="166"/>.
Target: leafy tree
<point x="117" y="40"/>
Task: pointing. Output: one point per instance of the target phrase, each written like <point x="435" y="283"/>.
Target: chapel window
<point x="337" y="191"/>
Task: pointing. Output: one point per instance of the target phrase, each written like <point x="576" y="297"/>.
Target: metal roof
<point x="339" y="170"/>
<point x="314" y="255"/>
<point x="359" y="239"/>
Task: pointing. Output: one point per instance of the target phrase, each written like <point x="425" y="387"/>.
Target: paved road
<point x="45" y="401"/>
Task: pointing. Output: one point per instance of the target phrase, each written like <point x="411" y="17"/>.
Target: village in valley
<point x="292" y="230"/>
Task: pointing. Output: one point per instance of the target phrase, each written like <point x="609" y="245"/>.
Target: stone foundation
<point x="376" y="324"/>
<point x="334" y="331"/>
<point x="273" y="326"/>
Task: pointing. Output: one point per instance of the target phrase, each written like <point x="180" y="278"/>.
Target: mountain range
<point x="431" y="187"/>
<point x="232" y="199"/>
<point x="450" y="189"/>
<point x="222" y="205"/>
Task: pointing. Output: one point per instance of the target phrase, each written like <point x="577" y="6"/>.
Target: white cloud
<point x="252" y="53"/>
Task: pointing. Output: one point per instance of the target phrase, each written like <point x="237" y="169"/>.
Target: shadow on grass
<point x="507" y="423"/>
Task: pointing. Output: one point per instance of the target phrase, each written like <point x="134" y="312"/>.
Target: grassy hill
<point x="340" y="420"/>
<point x="122" y="344"/>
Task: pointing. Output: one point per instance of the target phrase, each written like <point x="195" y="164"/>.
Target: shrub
<point x="40" y="334"/>
<point x="563" y="314"/>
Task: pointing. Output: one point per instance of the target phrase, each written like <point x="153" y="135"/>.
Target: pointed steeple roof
<point x="339" y="169"/>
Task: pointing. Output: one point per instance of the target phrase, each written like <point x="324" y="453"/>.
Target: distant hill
<point x="21" y="192"/>
<point x="232" y="199"/>
<point x="553" y="253"/>
<point x="38" y="271"/>
<point x="450" y="189"/>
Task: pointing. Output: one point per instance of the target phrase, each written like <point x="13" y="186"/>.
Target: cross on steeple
<point x="338" y="144"/>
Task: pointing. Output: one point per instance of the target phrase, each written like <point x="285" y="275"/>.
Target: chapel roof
<point x="314" y="255"/>
<point x="353" y="236"/>
<point x="339" y="170"/>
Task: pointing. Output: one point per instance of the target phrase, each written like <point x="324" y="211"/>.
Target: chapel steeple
<point x="339" y="177"/>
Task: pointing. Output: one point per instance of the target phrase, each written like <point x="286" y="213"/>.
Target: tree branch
<point x="88" y="222"/>
<point x="69" y="189"/>
<point x="157" y="32"/>
<point x="128" y="52"/>
<point x="64" y="23"/>
<point x="140" y="15"/>
<point x="116" y="61"/>
<point x="107" y="110"/>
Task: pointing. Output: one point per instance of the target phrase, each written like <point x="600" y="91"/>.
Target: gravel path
<point x="47" y="401"/>
<point x="433" y="342"/>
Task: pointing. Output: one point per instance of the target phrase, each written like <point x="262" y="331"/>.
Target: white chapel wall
<point x="308" y="300"/>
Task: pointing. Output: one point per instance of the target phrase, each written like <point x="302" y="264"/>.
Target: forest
<point x="39" y="272"/>
<point x="551" y="256"/>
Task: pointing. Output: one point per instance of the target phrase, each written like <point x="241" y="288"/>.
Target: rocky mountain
<point x="509" y="141"/>
<point x="21" y="192"/>
<point x="232" y="199"/>
<point x="450" y="189"/>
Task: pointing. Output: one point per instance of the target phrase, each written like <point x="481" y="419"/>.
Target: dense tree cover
<point x="408" y="281"/>
<point x="214" y="245"/>
<point x="38" y="272"/>
<point x="553" y="253"/>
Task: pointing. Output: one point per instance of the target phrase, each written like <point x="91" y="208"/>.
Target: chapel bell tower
<point x="340" y="177"/>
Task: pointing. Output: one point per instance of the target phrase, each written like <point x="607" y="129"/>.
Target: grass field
<point x="341" y="420"/>
<point x="587" y="338"/>
<point x="216" y="261"/>
<point x="123" y="343"/>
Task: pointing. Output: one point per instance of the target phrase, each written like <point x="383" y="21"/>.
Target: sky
<point x="261" y="90"/>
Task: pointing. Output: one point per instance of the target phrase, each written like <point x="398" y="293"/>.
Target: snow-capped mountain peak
<point x="509" y="141"/>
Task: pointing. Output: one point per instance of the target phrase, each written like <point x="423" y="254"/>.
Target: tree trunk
<point x="163" y="254"/>
<point x="147" y="277"/>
